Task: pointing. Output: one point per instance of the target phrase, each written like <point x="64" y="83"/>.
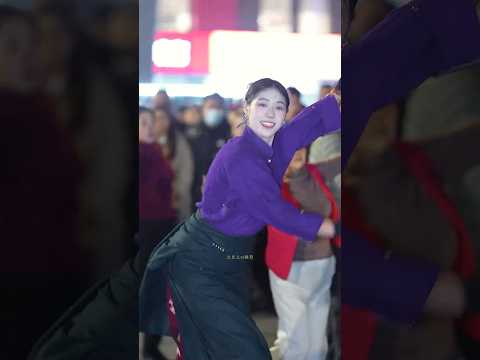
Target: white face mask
<point x="266" y="114"/>
<point x="213" y="117"/>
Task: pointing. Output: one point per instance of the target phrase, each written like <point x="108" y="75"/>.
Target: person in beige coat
<point x="176" y="149"/>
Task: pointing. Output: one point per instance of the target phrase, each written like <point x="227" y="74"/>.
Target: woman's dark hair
<point x="294" y="91"/>
<point x="171" y="134"/>
<point x="264" y="84"/>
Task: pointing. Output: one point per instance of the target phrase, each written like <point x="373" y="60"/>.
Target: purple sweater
<point x="242" y="189"/>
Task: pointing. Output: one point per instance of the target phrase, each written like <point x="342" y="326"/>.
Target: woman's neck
<point x="268" y="141"/>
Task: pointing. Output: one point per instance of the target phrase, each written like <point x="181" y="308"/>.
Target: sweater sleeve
<point x="261" y="197"/>
<point x="321" y="118"/>
<point x="416" y="41"/>
<point x="394" y="287"/>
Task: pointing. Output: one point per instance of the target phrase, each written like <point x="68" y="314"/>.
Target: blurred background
<point x="192" y="48"/>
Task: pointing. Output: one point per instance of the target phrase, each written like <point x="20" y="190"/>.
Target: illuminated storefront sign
<point x="288" y="56"/>
<point x="178" y="53"/>
<point x="227" y="61"/>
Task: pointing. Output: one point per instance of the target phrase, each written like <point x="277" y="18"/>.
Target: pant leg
<point x="318" y="274"/>
<point x="212" y="313"/>
<point x="302" y="303"/>
<point x="290" y="304"/>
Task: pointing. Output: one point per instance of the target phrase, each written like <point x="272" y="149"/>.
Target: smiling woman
<point x="201" y="267"/>
<point x="266" y="105"/>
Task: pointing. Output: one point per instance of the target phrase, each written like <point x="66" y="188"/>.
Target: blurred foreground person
<point x="43" y="268"/>
<point x="389" y="183"/>
<point x="393" y="286"/>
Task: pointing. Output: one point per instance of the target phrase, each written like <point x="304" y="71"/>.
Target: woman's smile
<point x="267" y="124"/>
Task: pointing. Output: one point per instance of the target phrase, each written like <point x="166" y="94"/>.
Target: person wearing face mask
<point x="201" y="269"/>
<point x="206" y="137"/>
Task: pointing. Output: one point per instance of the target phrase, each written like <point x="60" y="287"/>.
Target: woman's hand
<point x="447" y="298"/>
<point x="327" y="229"/>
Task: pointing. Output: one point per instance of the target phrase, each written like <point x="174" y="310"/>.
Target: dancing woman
<point x="203" y="263"/>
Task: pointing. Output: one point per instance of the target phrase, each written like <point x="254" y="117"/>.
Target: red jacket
<point x="155" y="185"/>
<point x="281" y="246"/>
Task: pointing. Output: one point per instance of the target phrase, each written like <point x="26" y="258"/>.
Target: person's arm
<point x="394" y="287"/>
<point x="262" y="199"/>
<point x="321" y="118"/>
<point x="416" y="41"/>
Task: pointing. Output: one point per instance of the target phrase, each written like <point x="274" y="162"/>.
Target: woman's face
<point x="161" y="124"/>
<point x="145" y="128"/>
<point x="192" y="116"/>
<point x="266" y="114"/>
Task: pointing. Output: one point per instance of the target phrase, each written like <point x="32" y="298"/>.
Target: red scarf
<point x="281" y="246"/>
<point x="421" y="167"/>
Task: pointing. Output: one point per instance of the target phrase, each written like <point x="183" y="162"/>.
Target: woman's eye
<point x="262" y="105"/>
<point x="280" y="108"/>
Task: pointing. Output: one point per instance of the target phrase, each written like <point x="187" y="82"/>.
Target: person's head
<point x="295" y="103"/>
<point x="17" y="48"/>
<point x="237" y="124"/>
<point x="117" y="25"/>
<point x="213" y="110"/>
<point x="164" y="131"/>
<point x="266" y="104"/>
<point x="180" y="113"/>
<point x="145" y="125"/>
<point x="59" y="32"/>
<point x="298" y="162"/>
<point x="325" y="89"/>
<point x="161" y="100"/>
<point x="162" y="122"/>
<point x="192" y="116"/>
